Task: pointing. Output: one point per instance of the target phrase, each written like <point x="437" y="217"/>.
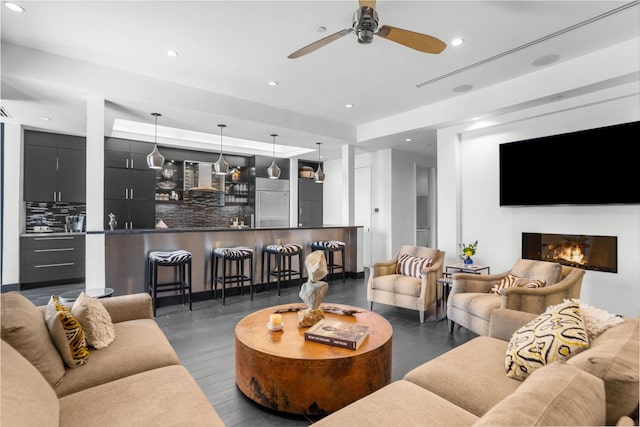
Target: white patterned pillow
<point x="95" y="321"/>
<point x="412" y="266"/>
<point x="596" y="319"/>
<point x="511" y="281"/>
<point x="557" y="334"/>
<point x="66" y="333"/>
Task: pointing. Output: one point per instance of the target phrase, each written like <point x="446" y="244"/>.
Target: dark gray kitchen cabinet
<point x="125" y="153"/>
<point x="54" y="167"/>
<point x="310" y="203"/>
<point x="129" y="184"/>
<point x="52" y="258"/>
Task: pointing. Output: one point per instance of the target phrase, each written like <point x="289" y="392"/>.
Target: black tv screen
<point x="590" y="167"/>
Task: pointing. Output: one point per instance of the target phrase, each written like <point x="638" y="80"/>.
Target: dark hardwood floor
<point x="204" y="341"/>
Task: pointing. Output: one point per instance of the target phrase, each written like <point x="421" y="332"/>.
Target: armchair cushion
<point x="412" y="266"/>
<point x="550" y="272"/>
<point x="511" y="281"/>
<point x="557" y="334"/>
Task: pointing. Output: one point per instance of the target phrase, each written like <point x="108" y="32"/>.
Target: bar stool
<point x="236" y="255"/>
<point x="330" y="247"/>
<point x="180" y="261"/>
<point x="282" y="262"/>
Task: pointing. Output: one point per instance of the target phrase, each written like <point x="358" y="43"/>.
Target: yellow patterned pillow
<point x="556" y="334"/>
<point x="66" y="333"/>
<point x="511" y="281"/>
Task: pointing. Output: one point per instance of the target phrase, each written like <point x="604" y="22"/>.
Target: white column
<point x="348" y="174"/>
<point x="95" y="250"/>
<point x="13" y="209"/>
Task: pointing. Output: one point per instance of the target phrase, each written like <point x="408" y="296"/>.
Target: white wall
<point x="472" y="185"/>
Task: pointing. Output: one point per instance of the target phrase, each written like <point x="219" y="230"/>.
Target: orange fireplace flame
<point x="570" y="253"/>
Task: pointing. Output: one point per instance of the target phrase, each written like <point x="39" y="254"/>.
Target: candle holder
<point x="275" y="322"/>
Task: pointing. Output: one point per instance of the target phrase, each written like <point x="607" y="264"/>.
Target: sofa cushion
<point x="140" y="345"/>
<point x="167" y="396"/>
<point x="550" y="272"/>
<point x="27" y="398"/>
<point x="400" y="403"/>
<point x="511" y="281"/>
<point x="23" y="327"/>
<point x="66" y="333"/>
<point x="556" y="334"/>
<point x="412" y="266"/>
<point x="613" y="357"/>
<point x="95" y="320"/>
<point x="556" y="395"/>
<point x="470" y="376"/>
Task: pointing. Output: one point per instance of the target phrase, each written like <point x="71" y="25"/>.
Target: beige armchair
<point x="470" y="303"/>
<point x="386" y="286"/>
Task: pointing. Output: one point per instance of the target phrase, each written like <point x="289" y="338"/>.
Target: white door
<point x="362" y="214"/>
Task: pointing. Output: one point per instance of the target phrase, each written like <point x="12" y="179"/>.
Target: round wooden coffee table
<point x="282" y="371"/>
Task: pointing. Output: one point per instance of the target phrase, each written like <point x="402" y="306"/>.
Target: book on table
<point x="336" y="333"/>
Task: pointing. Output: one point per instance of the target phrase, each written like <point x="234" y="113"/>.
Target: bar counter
<point x="126" y="251"/>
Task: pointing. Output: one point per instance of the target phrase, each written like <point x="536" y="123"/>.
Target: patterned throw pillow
<point x="66" y="333"/>
<point x="511" y="281"/>
<point x="95" y="321"/>
<point x="556" y="334"/>
<point x="412" y="266"/>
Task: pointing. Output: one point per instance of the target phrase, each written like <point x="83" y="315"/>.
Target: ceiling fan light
<point x="155" y="160"/>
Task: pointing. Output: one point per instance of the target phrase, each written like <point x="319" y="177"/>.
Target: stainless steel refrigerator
<point x="272" y="203"/>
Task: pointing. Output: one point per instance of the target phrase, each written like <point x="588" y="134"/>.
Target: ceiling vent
<point x="3" y="112"/>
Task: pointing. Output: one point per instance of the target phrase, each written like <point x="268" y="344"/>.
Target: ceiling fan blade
<point x="370" y="3"/>
<point x="318" y="44"/>
<point x="417" y="41"/>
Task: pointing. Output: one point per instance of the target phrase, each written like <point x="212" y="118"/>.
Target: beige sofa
<point x="467" y="386"/>
<point x="137" y="380"/>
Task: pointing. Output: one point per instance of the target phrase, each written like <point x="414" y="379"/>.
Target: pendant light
<point x="319" y="175"/>
<point x="274" y="171"/>
<point x="221" y="167"/>
<point x="155" y="160"/>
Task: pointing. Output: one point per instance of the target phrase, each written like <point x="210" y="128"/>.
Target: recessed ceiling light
<point x="462" y="88"/>
<point x="14" y="7"/>
<point x="408" y="140"/>
<point x="322" y="29"/>
<point x="557" y="98"/>
<point x="545" y="60"/>
<point x="45" y="118"/>
<point x="273" y="83"/>
<point x="457" y="42"/>
<point x="475" y="118"/>
<point x="348" y="105"/>
<point x="172" y="53"/>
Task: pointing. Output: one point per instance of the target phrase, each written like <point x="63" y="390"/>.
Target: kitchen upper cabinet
<point x="126" y="154"/>
<point x="54" y="167"/>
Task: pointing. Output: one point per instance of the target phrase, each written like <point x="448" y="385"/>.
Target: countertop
<point x="53" y="234"/>
<point x="211" y="229"/>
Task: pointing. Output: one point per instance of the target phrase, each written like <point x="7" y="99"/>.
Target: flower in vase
<point x="468" y="249"/>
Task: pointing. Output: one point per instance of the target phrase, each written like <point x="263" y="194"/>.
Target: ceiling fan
<point x="365" y="26"/>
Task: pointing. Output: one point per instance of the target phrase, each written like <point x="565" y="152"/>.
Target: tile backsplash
<point x="50" y="215"/>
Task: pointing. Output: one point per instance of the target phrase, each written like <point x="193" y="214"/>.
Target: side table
<point x="466" y="268"/>
<point x="445" y="282"/>
<point x="71" y="296"/>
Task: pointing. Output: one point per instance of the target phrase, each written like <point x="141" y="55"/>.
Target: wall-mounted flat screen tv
<point x="589" y="167"/>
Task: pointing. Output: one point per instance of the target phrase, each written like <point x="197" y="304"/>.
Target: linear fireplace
<point x="598" y="253"/>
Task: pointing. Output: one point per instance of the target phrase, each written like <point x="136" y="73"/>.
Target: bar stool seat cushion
<point x="328" y="245"/>
<point x="239" y="252"/>
<point x="286" y="249"/>
<point x="170" y="258"/>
